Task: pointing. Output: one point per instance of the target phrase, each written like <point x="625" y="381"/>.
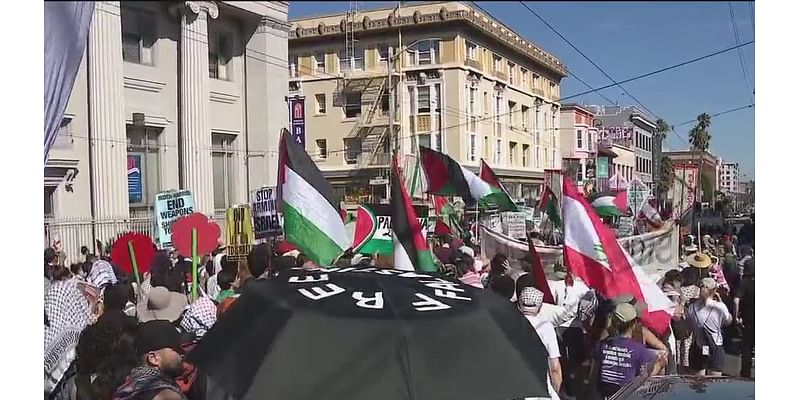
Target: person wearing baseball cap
<point x="620" y="358"/>
<point x="158" y="346"/>
<point x="707" y="315"/>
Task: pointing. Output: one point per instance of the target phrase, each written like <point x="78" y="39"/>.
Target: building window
<point x="511" y="68"/>
<point x="485" y="102"/>
<point x="485" y="150"/>
<point x="512" y="153"/>
<point x="352" y="106"/>
<point x="512" y="109"/>
<point x="319" y="62"/>
<point x="219" y="56"/>
<point x="423" y="99"/>
<point x="426" y="52"/>
<point x="321" y="105"/>
<point x="523" y="77"/>
<point x="580" y="139"/>
<point x="352" y="149"/>
<point x="537" y="159"/>
<point x="293" y="66"/>
<point x="144" y="165"/>
<point x="473" y="100"/>
<point x="525" y="150"/>
<point x="591" y="141"/>
<point x="322" y="148"/>
<point x="496" y="60"/>
<point x="473" y="150"/>
<point x="383" y="53"/>
<point x="222" y="159"/>
<point x="525" y="116"/>
<point x="138" y="35"/>
<point x="553" y="160"/>
<point x="472" y="51"/>
<point x="498" y="151"/>
<point x="358" y="59"/>
<point x="344" y="62"/>
<point x="535" y="81"/>
<point x="49" y="203"/>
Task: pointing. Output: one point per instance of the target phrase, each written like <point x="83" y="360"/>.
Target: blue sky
<point x="631" y="38"/>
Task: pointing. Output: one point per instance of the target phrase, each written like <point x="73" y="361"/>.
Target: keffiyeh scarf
<point x="102" y="274"/>
<point x="144" y="380"/>
<point x="200" y="317"/>
<point x="67" y="313"/>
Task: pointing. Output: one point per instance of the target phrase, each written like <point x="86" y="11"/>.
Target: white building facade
<point x="169" y="95"/>
<point x="731" y="183"/>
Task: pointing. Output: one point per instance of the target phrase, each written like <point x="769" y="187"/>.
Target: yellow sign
<point x="239" y="234"/>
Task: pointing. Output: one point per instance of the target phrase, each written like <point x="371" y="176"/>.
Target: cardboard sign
<point x="239" y="234"/>
<point x="625" y="227"/>
<point x="267" y="221"/>
<point x="514" y="224"/>
<point x="169" y="207"/>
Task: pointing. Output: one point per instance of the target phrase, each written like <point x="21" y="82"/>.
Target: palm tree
<point x="700" y="140"/>
<point x="662" y="127"/>
<point x="659" y="134"/>
<point x="667" y="175"/>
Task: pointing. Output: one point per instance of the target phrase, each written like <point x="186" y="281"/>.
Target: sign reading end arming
<point x="169" y="206"/>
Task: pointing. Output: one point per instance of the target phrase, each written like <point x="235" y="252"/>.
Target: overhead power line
<point x="742" y="61"/>
<point x="587" y="58"/>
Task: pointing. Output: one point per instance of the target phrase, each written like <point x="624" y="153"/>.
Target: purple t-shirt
<point x="621" y="359"/>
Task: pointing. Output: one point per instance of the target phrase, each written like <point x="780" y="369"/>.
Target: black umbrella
<point x="370" y="334"/>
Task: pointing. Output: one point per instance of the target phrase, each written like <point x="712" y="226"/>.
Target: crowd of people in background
<point x="108" y="338"/>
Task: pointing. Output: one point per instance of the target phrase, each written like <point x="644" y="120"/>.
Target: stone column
<point x="195" y="137"/>
<point x="108" y="140"/>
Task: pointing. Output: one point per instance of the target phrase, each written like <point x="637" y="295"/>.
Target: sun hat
<point x="161" y="304"/>
<point x="698" y="260"/>
<point x="639" y="306"/>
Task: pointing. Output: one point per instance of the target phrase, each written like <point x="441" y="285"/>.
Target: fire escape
<point x="367" y="142"/>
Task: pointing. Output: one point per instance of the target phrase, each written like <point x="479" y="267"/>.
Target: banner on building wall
<point x="297" y="112"/>
<point x="682" y="191"/>
<point x="169" y="206"/>
<point x="135" y="189"/>
<point x="66" y="27"/>
<point x="267" y="221"/>
<point x="602" y="167"/>
<point x="239" y="235"/>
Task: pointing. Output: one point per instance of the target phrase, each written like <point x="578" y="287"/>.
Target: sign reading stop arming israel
<point x="239" y="232"/>
<point x="266" y="219"/>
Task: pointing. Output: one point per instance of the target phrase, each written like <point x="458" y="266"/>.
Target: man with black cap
<point x="157" y="345"/>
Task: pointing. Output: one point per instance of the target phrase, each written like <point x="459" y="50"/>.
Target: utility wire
<point x="742" y="61"/>
<point x="588" y="59"/>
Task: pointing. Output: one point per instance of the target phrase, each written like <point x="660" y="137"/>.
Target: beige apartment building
<point x="461" y="82"/>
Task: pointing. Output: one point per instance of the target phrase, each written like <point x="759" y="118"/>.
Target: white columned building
<point x="186" y="95"/>
<point x="106" y="116"/>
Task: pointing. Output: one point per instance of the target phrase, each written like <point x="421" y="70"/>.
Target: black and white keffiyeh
<point x="200" y="317"/>
<point x="68" y="313"/>
<point x="102" y="274"/>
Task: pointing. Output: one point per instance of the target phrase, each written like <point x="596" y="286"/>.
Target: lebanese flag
<point x="610" y="204"/>
<point x="593" y="254"/>
<point x="411" y="252"/>
<point x="539" y="277"/>
<point x="446" y="177"/>
<point x="311" y="217"/>
<point x="499" y="196"/>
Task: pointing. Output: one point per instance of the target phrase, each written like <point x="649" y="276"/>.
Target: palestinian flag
<point x="549" y="204"/>
<point x="411" y="252"/>
<point x="593" y="254"/>
<point x="366" y="225"/>
<point x="610" y="204"/>
<point x="446" y="177"/>
<point x="312" y="219"/>
<point x="499" y="197"/>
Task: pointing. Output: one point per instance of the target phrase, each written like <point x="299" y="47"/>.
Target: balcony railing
<point x="538" y="92"/>
<point x="501" y="75"/>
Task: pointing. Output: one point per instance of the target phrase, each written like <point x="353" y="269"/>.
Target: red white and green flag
<point x="411" y="251"/>
<point x="610" y="203"/>
<point x="499" y="196"/>
<point x="446" y="177"/>
<point x="312" y="219"/>
<point x="593" y="254"/>
<point x="549" y="204"/>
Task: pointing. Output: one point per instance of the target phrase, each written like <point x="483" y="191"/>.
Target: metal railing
<point x="74" y="232"/>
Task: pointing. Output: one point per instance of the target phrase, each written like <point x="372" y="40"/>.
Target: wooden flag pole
<point x="134" y="264"/>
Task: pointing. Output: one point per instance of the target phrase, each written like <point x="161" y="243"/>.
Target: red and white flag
<point x="593" y="254"/>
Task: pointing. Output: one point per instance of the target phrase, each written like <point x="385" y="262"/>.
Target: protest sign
<point x="266" y="219"/>
<point x="638" y="193"/>
<point x="195" y="235"/>
<point x="169" y="206"/>
<point x="514" y="224"/>
<point x="133" y="252"/>
<point x="375" y="235"/>
<point x="239" y="234"/>
<point x="625" y="227"/>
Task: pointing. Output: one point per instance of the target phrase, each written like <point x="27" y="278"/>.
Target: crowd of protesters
<point x="108" y="338"/>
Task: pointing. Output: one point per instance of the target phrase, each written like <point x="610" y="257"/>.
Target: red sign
<point x="133" y="246"/>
